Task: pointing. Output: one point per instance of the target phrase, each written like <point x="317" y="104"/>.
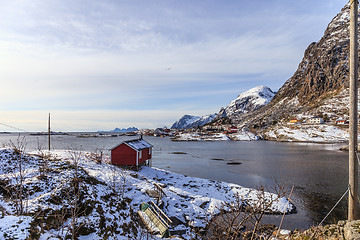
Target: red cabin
<point x="132" y="153"/>
<point x="232" y="129"/>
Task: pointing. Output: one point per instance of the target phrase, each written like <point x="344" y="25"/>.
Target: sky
<point x="98" y="65"/>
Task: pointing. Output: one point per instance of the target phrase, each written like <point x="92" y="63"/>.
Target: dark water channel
<point x="318" y="172"/>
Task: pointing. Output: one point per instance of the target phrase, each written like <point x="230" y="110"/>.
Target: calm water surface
<point x="318" y="172"/>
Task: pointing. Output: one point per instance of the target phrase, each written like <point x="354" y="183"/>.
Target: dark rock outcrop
<point x="324" y="67"/>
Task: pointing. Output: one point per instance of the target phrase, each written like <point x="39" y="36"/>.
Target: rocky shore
<point x="343" y="230"/>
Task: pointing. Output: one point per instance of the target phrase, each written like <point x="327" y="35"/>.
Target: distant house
<point x="161" y="132"/>
<point x="134" y="152"/>
<point x="316" y="120"/>
<point x="294" y="121"/>
<point x="341" y="121"/>
<point x="212" y="128"/>
<point x="232" y="129"/>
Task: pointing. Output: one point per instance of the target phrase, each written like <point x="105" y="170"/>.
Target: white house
<point x="316" y="120"/>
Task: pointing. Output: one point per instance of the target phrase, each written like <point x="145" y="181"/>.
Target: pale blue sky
<point x="145" y="63"/>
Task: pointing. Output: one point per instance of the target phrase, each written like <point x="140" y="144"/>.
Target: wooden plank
<point x="146" y="223"/>
<point x="160" y="218"/>
<point x="160" y="189"/>
<point x="159" y="224"/>
<point x="158" y="209"/>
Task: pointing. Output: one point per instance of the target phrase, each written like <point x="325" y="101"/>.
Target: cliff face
<point x="324" y="67"/>
<point x="322" y="74"/>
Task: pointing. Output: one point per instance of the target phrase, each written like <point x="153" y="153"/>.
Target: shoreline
<point x="266" y="139"/>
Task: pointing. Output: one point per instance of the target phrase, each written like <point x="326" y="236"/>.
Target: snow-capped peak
<point x="263" y="93"/>
<point x="248" y="101"/>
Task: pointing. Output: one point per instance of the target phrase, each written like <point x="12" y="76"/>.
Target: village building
<point x="212" y="128"/>
<point x="294" y="121"/>
<point x="316" y="120"/>
<point x="132" y="153"/>
<point x="232" y="129"/>
<point x="161" y="132"/>
<point x="341" y="121"/>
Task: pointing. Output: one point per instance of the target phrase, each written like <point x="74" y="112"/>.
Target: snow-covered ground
<point x="109" y="197"/>
<point x="317" y="133"/>
<point x="244" y="136"/>
<point x="200" y="137"/>
<point x="321" y="133"/>
<point x="240" y="136"/>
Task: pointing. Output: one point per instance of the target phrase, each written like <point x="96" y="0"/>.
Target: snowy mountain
<point x="248" y="101"/>
<point x="188" y="121"/>
<point x="129" y="129"/>
<point x="123" y="130"/>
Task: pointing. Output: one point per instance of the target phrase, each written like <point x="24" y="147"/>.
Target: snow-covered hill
<point x="248" y="101"/>
<point x="188" y="121"/>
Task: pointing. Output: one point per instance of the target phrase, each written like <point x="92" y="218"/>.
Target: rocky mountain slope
<point x="321" y="77"/>
<point x="324" y="67"/>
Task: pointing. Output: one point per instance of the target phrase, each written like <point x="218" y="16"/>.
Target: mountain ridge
<point x="190" y="121"/>
<point x="247" y="101"/>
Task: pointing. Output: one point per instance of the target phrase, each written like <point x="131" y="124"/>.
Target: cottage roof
<point x="136" y="144"/>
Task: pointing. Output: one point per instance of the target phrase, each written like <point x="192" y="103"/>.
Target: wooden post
<point x="353" y="127"/>
<point x="49" y="132"/>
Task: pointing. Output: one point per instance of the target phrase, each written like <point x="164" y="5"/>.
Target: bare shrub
<point x="96" y="156"/>
<point x="74" y="194"/>
<point x="118" y="180"/>
<point x="241" y="219"/>
<point x="43" y="160"/>
<point x="19" y="194"/>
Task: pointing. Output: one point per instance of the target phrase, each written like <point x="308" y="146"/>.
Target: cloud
<point x="113" y="55"/>
<point x="71" y="81"/>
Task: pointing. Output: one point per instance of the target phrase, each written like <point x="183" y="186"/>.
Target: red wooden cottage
<point x="132" y="153"/>
<point x="232" y="129"/>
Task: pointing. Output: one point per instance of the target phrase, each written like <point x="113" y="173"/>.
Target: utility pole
<point x="353" y="127"/>
<point x="49" y="132"/>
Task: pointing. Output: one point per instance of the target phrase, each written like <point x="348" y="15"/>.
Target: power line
<point x="7" y="125"/>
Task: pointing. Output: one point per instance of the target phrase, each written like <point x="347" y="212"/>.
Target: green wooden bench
<point x="157" y="217"/>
